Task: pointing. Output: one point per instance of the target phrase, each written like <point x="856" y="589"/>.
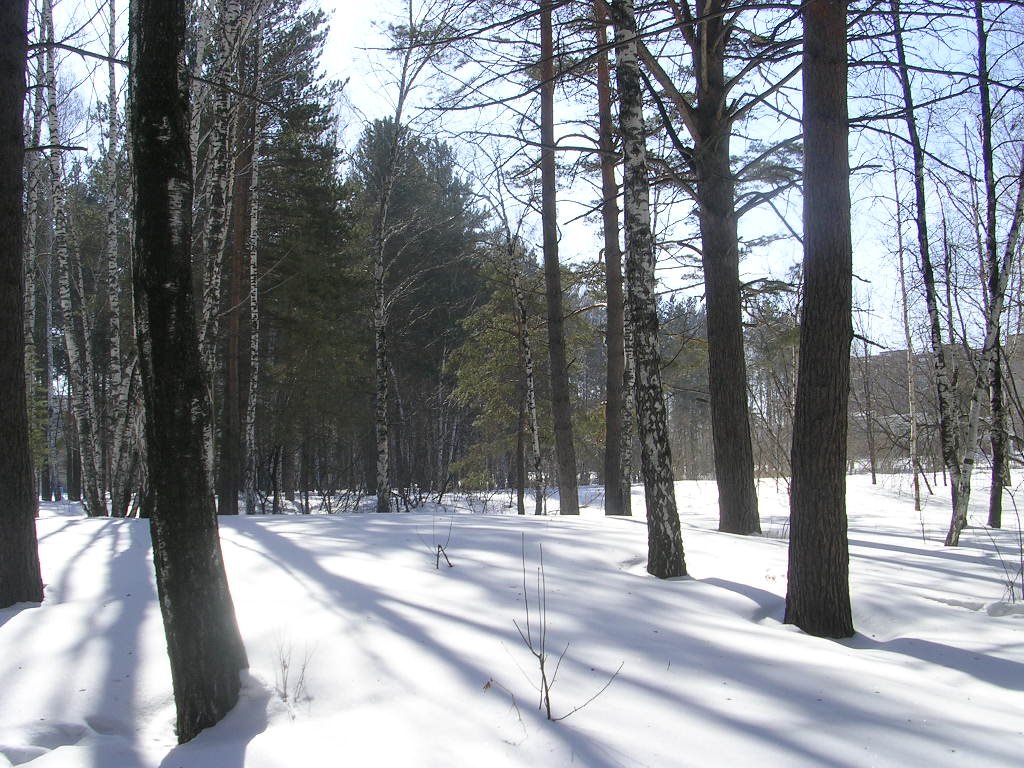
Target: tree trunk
<point x="531" y="388"/>
<point x="665" y="546"/>
<point x="869" y="417"/>
<point x="249" y="478"/>
<point x="203" y="641"/>
<point x="908" y="339"/>
<point x="944" y="390"/>
<point x="818" y="593"/>
<point x="20" y="579"/>
<point x="220" y="172"/>
<point x="716" y="199"/>
<point x="230" y="445"/>
<point x="77" y="331"/>
<point x="561" y="407"/>
<point x="616" y="485"/>
<point x="999" y="440"/>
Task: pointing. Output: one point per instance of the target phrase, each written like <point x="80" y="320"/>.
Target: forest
<point x="583" y="249"/>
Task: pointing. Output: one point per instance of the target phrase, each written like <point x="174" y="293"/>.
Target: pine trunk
<point x="616" y="485"/>
<point x="716" y="200"/>
<point x="818" y="592"/>
<point x="20" y="579"/>
<point x="665" y="547"/>
<point x="203" y="641"/>
<point x="561" y="406"/>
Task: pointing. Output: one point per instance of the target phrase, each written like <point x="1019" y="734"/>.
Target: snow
<point x="407" y="665"/>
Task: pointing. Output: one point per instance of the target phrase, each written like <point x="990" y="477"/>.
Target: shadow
<point x="993" y="670"/>
<point x="225" y="744"/>
<point x="11" y="611"/>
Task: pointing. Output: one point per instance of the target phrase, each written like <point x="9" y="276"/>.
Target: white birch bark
<point x="986" y="363"/>
<point x="531" y="388"/>
<point x="628" y="412"/>
<point x="908" y="340"/>
<point x="76" y="330"/>
<point x="220" y="176"/>
<point x="249" y="428"/>
<point x="665" y="546"/>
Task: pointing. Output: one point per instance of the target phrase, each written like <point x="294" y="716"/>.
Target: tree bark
<point x="818" y="593"/>
<point x="561" y="406"/>
<point x="531" y="387"/>
<point x="203" y="641"/>
<point x="20" y="579"/>
<point x="616" y="482"/>
<point x="716" y="200"/>
<point x="77" y="330"/>
<point x="665" y="556"/>
<point x="944" y="390"/>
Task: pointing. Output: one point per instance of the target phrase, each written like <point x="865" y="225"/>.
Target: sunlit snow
<point x="392" y="662"/>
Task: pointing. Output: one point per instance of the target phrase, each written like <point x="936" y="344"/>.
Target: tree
<point x="203" y="641"/>
<point x="618" y="415"/>
<point x="20" y="579"/>
<point x="664" y="540"/>
<point x="818" y="593"/>
<point x="565" y="449"/>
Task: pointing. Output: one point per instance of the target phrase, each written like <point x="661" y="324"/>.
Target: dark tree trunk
<point x="818" y="593"/>
<point x="664" y="540"/>
<point x="716" y="198"/>
<point x="20" y="580"/>
<point x="616" y="484"/>
<point x="203" y="641"/>
<point x="561" y="407"/>
<point x="727" y="368"/>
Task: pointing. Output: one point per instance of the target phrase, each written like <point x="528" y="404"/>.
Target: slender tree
<point x="561" y="407"/>
<point x="665" y="546"/>
<point x="616" y="471"/>
<point x="818" y="593"/>
<point x="203" y="641"/>
<point x="20" y="579"/>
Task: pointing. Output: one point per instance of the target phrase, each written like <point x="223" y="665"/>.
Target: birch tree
<point x="20" y="579"/>
<point x="77" y="325"/>
<point x="665" y="547"/>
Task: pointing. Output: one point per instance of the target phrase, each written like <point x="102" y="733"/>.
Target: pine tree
<point x="818" y="593"/>
<point x="20" y="579"/>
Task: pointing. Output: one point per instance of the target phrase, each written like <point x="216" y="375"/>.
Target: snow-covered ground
<point x="391" y="662"/>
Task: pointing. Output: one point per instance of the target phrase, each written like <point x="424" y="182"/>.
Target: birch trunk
<point x="531" y="389"/>
<point x="628" y="410"/>
<point x="124" y="408"/>
<point x="616" y="484"/>
<point x="665" y="547"/>
<point x="908" y="340"/>
<point x="220" y="177"/>
<point x="76" y="326"/>
<point x="944" y="390"/>
<point x="987" y="361"/>
<point x="249" y="478"/>
<point x="561" y="407"/>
